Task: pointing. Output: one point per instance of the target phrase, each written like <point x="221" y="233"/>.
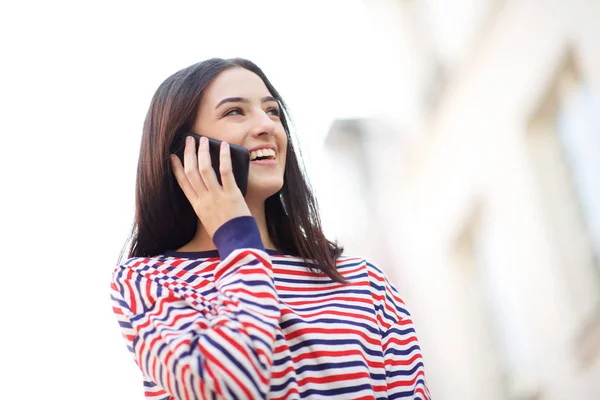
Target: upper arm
<point x="405" y="373"/>
<point x="201" y="343"/>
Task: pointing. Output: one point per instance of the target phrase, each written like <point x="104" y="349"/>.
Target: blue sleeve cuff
<point x="237" y="233"/>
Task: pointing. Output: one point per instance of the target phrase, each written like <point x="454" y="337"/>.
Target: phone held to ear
<point x="240" y="157"/>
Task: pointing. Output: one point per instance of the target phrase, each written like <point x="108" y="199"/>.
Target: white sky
<point x="75" y="82"/>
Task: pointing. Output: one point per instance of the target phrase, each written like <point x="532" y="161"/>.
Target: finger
<point x="205" y="166"/>
<point x="182" y="180"/>
<point x="190" y="166"/>
<point x="225" y="168"/>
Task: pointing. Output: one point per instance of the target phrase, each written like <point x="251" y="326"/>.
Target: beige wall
<point x="455" y="209"/>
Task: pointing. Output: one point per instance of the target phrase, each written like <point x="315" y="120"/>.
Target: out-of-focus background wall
<point x="476" y="186"/>
<point x="455" y="144"/>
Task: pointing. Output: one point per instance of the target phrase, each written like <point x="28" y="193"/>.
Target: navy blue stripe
<point x="253" y="283"/>
<point x="400" y="372"/>
<point x="336" y="391"/>
<point x="332" y="307"/>
<point x="340" y="291"/>
<point x="230" y="357"/>
<point x="398" y="352"/>
<point x="284" y="385"/>
<point x="400" y="332"/>
<point x="282" y="360"/>
<point x="124" y="324"/>
<point x="122" y="303"/>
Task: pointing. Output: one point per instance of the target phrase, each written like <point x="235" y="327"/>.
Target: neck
<point x="202" y="242"/>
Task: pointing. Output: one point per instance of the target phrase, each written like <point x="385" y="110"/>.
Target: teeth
<point x="262" y="153"/>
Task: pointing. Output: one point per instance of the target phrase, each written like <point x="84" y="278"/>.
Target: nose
<point x="262" y="124"/>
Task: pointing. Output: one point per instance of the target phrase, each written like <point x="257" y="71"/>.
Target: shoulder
<point x="159" y="264"/>
<point x="388" y="301"/>
<point x="349" y="265"/>
<point x="142" y="281"/>
<point x="162" y="270"/>
<point x="139" y="263"/>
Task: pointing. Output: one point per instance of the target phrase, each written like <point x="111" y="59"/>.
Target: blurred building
<point x="476" y="187"/>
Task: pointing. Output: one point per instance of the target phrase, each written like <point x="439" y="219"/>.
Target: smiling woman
<point x="231" y="296"/>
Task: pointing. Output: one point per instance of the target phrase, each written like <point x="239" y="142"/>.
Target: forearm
<point x="197" y="348"/>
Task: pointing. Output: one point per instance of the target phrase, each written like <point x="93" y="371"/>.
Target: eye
<point x="274" y="111"/>
<point x="233" y="111"/>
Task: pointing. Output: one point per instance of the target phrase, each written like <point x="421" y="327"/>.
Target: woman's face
<point x="238" y="108"/>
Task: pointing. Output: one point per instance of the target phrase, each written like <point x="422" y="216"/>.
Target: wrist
<point x="237" y="233"/>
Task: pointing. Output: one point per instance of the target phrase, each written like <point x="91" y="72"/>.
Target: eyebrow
<point x="243" y="100"/>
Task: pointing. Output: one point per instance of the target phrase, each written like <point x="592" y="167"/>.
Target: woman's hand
<point x="214" y="204"/>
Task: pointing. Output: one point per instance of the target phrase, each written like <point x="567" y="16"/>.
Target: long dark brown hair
<point x="164" y="218"/>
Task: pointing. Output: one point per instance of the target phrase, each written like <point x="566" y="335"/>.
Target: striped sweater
<point x="248" y="323"/>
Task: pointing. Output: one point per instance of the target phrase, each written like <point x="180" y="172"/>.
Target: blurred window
<point x="578" y="126"/>
<point x="564" y="144"/>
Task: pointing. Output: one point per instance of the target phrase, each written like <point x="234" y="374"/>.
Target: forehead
<point x="235" y="82"/>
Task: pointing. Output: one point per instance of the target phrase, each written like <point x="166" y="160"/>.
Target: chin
<point x="264" y="189"/>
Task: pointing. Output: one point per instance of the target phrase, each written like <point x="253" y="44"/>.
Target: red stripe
<point x="217" y="386"/>
<point x="292" y="390"/>
<point x="154" y="394"/>
<point x="234" y="304"/>
<point x="117" y="310"/>
<point x="317" y="289"/>
<point x="403" y="362"/>
<point x="331" y="378"/>
<point x="260" y="295"/>
<point x="405" y="383"/>
<point x="329" y="300"/>
<point x="183" y="380"/>
<point x="283" y="272"/>
<point x="405" y="321"/>
<point x="132" y="301"/>
<point x="341" y="354"/>
<point x="149" y="296"/>
<point x="328" y="313"/>
<point x="332" y="332"/>
<point x="268" y="334"/>
<point x="421" y="392"/>
<point x="401" y="342"/>
<point x="384" y="324"/>
<point x="202" y="284"/>
<point x="282" y="373"/>
<point x="358" y="268"/>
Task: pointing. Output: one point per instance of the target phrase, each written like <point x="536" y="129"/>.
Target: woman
<point x="226" y="296"/>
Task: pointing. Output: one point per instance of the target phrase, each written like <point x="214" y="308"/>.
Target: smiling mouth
<point x="263" y="154"/>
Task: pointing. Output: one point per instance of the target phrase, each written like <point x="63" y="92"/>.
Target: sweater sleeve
<point x="194" y="347"/>
<point x="405" y="372"/>
<point x="405" y="375"/>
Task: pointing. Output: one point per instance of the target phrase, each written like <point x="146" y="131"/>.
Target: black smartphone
<point x="240" y="157"/>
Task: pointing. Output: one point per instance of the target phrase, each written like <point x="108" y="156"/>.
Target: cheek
<point x="284" y="145"/>
<point x="221" y="130"/>
<point x="232" y="135"/>
<point x="283" y="157"/>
